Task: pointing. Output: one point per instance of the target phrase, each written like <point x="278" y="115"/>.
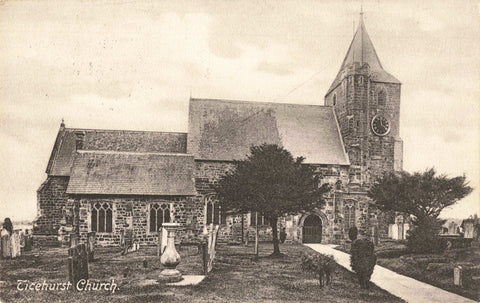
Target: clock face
<point x="380" y="125"/>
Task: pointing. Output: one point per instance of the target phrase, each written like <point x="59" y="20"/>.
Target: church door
<point x="312" y="229"/>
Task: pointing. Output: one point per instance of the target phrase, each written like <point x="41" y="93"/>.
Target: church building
<point x="108" y="181"/>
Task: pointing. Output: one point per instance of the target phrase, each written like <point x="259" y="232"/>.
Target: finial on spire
<point x="62" y="125"/>
<point x="361" y="9"/>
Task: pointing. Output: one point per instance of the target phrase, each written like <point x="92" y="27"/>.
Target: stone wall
<point x="51" y="202"/>
<point x="356" y="105"/>
<point x="188" y="211"/>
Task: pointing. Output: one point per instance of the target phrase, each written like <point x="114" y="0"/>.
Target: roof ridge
<point x="257" y="102"/>
<point x="131" y="152"/>
<point x="122" y="130"/>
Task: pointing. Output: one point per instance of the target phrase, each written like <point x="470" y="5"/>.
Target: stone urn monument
<point x="170" y="257"/>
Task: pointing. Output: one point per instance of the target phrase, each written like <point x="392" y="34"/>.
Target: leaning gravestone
<point x="77" y="264"/>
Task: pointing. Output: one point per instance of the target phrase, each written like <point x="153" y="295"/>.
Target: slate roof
<point x="361" y="50"/>
<point x="132" y="173"/>
<point x="63" y="152"/>
<point x="225" y="130"/>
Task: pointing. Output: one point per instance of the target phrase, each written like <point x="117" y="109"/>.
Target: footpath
<point x="401" y="286"/>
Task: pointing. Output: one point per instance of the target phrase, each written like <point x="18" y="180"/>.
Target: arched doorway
<point x="312" y="229"/>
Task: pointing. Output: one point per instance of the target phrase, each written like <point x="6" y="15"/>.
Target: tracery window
<point x="159" y="214"/>
<point x="349" y="216"/>
<point x="102" y="217"/>
<point x="213" y="212"/>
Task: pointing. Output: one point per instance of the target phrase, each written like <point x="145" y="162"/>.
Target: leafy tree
<point x="271" y="182"/>
<point x="423" y="195"/>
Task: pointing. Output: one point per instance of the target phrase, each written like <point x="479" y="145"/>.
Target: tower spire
<point x="361" y="51"/>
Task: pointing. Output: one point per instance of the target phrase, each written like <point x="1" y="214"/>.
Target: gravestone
<point x="90" y="245"/>
<point x="15" y="243"/>
<point x="77" y="264"/>
<point x="6" y="246"/>
<point x="28" y="242"/>
<point x="127" y="241"/>
<point x="452" y="228"/>
<point x="468" y="228"/>
<point x="457" y="276"/>
<point x="375" y="235"/>
<point x="74" y="240"/>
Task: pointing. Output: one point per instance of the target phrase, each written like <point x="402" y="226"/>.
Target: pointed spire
<point x="362" y="51"/>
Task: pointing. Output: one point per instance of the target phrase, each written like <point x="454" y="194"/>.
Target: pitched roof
<point x="131" y="173"/>
<point x="64" y="149"/>
<point x="361" y="50"/>
<point x="225" y="130"/>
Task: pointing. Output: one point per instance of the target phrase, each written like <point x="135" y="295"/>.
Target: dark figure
<point x="8" y="226"/>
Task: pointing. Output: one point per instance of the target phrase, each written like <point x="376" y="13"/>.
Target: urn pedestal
<point x="170" y="257"/>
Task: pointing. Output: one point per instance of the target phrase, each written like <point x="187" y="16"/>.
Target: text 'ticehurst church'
<point x="108" y="181"/>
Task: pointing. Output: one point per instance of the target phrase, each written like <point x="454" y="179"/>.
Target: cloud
<point x="133" y="65"/>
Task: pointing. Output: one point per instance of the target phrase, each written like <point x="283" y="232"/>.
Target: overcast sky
<point x="134" y="64"/>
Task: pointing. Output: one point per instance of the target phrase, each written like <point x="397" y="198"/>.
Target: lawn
<point x="236" y="277"/>
<point x="437" y="269"/>
<point x="434" y="269"/>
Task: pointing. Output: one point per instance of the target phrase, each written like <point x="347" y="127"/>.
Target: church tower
<point x="366" y="99"/>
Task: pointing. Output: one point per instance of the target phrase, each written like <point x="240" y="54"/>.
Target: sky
<point x="121" y="64"/>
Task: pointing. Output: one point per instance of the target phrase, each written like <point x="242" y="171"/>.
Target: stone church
<point x="111" y="180"/>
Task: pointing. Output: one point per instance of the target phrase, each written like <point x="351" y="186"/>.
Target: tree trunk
<point x="256" y="239"/>
<point x="276" y="248"/>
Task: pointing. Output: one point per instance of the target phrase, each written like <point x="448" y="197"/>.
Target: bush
<point x="425" y="239"/>
<point x="319" y="265"/>
<point x="352" y="233"/>
<point x="362" y="260"/>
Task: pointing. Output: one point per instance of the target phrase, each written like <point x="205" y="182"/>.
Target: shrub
<point x="352" y="233"/>
<point x="424" y="239"/>
<point x="319" y="265"/>
<point x="362" y="260"/>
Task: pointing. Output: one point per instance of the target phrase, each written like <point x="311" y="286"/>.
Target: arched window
<point x="334" y="99"/>
<point x="102" y="217"/>
<point x="213" y="213"/>
<point x="349" y="215"/>
<point x="159" y="214"/>
<point x="381" y="97"/>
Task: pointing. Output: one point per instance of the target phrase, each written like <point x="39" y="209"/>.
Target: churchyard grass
<point x="440" y="271"/>
<point x="236" y="277"/>
<point x="394" y="255"/>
